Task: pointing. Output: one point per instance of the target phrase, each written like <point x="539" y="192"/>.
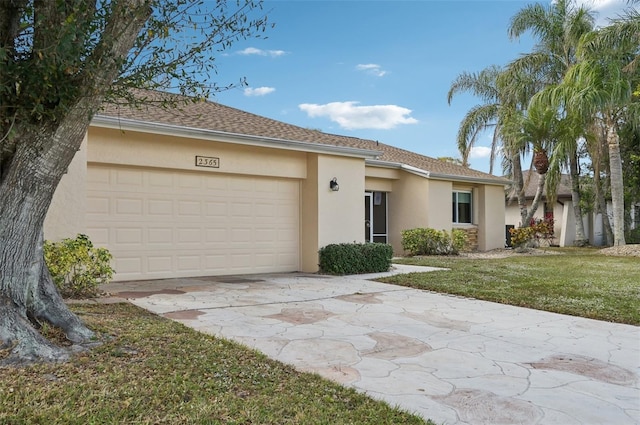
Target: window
<point x="462" y="207"/>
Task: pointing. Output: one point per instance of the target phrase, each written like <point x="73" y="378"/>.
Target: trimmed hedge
<point x="426" y="241"/>
<point x="355" y="258"/>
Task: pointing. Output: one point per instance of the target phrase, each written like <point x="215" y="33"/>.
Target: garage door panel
<point x="99" y="235"/>
<point x="159" y="179"/>
<point x="129" y="236"/>
<point x="215" y="209"/>
<point x="161" y="224"/>
<point x="189" y="263"/>
<point x="287" y="235"/>
<point x="128" y="207"/>
<point x="159" y="207"/>
<point x="159" y="236"/>
<point x="131" y="266"/>
<point x="130" y="178"/>
<point x="189" y="181"/>
<point x="189" y="209"/>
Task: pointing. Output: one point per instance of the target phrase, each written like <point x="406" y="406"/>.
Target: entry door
<point x="375" y="217"/>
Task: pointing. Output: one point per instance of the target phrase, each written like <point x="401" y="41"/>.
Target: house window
<point x="462" y="207"/>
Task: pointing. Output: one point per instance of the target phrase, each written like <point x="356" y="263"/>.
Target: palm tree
<point x="484" y="85"/>
<point x="502" y="113"/>
<point x="558" y="29"/>
<point x="601" y="87"/>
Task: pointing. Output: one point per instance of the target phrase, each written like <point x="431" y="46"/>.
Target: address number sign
<point x="207" y="161"/>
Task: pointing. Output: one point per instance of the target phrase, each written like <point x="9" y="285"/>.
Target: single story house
<point x="561" y="211"/>
<point x="207" y="189"/>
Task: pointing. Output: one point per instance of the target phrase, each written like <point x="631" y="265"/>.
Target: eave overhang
<point x="127" y="124"/>
<point x="436" y="176"/>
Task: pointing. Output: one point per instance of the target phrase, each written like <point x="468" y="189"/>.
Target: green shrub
<point x="77" y="267"/>
<point x="355" y="258"/>
<point x="426" y="241"/>
<point x="522" y="236"/>
<point x="538" y="230"/>
<point x="459" y="240"/>
<point x="633" y="236"/>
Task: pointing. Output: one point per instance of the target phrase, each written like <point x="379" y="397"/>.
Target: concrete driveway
<point x="450" y="359"/>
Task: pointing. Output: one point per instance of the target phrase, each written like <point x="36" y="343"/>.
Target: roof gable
<point x="531" y="179"/>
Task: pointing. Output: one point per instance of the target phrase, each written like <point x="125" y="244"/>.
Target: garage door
<point x="166" y="223"/>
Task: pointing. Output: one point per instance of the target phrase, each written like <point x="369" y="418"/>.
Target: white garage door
<point x="166" y="223"/>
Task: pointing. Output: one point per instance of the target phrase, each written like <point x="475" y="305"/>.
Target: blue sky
<point x="377" y="70"/>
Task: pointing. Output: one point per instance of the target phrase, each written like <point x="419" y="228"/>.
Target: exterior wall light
<point x="333" y="184"/>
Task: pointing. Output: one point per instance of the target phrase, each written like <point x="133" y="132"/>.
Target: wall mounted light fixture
<point x="333" y="184"/>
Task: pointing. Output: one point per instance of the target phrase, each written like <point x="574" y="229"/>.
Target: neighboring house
<point x="212" y="190"/>
<point x="561" y="211"/>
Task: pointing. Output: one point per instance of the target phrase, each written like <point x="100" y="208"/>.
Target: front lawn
<point x="579" y="282"/>
<point x="152" y="370"/>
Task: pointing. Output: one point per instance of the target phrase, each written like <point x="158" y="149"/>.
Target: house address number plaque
<point x="207" y="161"/>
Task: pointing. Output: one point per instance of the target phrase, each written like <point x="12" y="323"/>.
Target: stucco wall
<point x="406" y="207"/>
<point x="341" y="213"/>
<point x="439" y="204"/>
<point x="309" y="216"/>
<point x="373" y="184"/>
<point x="66" y="215"/>
<point x="491" y="217"/>
<point x="512" y="217"/>
<point x="142" y="149"/>
<point x="331" y="216"/>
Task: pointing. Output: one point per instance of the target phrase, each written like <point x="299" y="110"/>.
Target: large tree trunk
<point x="574" y="176"/>
<point x="28" y="183"/>
<point x="42" y="148"/>
<point x="617" y="187"/>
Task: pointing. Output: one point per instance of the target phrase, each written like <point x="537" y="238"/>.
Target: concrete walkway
<point x="449" y="359"/>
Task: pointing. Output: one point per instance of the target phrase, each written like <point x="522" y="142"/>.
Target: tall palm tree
<point x="601" y="87"/>
<point x="483" y="84"/>
<point x="501" y="111"/>
<point x="558" y="29"/>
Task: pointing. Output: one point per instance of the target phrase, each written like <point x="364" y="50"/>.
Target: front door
<point x="368" y="230"/>
<point x="375" y="217"/>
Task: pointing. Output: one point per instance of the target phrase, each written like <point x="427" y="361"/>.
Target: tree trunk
<point x="518" y="180"/>
<point x="42" y="149"/>
<point x="574" y="175"/>
<point x="617" y="187"/>
<point x="601" y="208"/>
<point x="27" y="293"/>
<point x="536" y="199"/>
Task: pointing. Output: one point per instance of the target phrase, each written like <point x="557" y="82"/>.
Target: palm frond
<point x="479" y="118"/>
<point x="481" y="84"/>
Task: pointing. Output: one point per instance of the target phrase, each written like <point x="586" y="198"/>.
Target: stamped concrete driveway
<point x="450" y="359"/>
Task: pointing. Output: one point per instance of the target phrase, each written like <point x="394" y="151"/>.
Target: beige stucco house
<point x="211" y="190"/>
<point x="561" y="211"/>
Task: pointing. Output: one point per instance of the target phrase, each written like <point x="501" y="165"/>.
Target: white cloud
<point x="480" y="152"/>
<point x="604" y="9"/>
<point x="259" y="52"/>
<point x="371" y="68"/>
<point x="258" y="91"/>
<point x="351" y="116"/>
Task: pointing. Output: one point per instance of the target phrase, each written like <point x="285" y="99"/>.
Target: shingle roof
<point x="207" y="115"/>
<point x="563" y="191"/>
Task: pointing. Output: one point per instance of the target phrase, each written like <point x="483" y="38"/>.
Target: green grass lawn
<point x="578" y="282"/>
<point x="151" y="370"/>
